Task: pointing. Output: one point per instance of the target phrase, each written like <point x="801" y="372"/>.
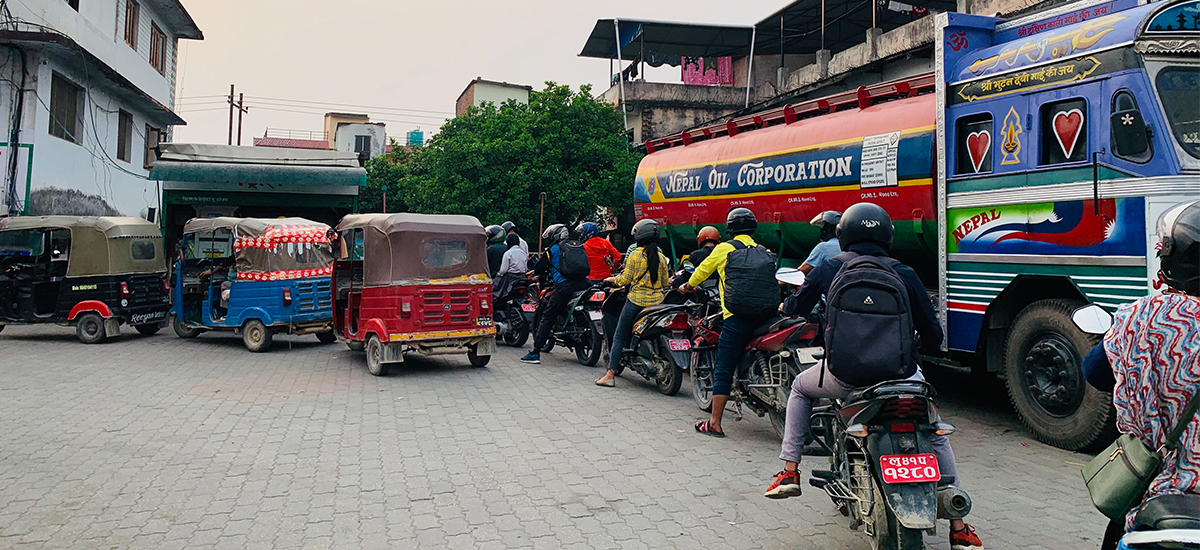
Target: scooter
<point x="512" y="324"/>
<point x="659" y="345"/>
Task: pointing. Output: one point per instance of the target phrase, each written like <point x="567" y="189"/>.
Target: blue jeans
<point x="623" y="332"/>
<point x="735" y="334"/>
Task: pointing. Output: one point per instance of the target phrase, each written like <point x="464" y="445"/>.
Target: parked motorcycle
<point x="658" y="347"/>
<point x="581" y="328"/>
<point x="513" y="323"/>
<point x="883" y="474"/>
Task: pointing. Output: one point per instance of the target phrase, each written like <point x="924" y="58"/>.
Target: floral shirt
<point x="1154" y="348"/>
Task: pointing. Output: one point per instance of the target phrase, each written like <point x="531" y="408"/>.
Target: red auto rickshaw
<point x="413" y="282"/>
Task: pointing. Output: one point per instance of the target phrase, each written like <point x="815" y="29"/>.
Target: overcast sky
<point x="404" y="55"/>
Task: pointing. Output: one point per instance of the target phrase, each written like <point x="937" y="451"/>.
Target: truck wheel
<point x="356" y="345"/>
<point x="90" y="328"/>
<point x="327" y="337"/>
<point x="1043" y="359"/>
<point x="182" y="330"/>
<point x="256" y="336"/>
<point x="478" y="361"/>
<point x="148" y="329"/>
<point x="375" y="364"/>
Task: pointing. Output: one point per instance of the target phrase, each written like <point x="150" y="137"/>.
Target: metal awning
<point x="796" y="29"/>
<point x="260" y="174"/>
<point x="666" y="38"/>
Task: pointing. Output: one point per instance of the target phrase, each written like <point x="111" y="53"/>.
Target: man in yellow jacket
<point x="735" y="331"/>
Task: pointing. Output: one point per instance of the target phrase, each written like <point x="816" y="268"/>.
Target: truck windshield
<point x="21" y="243"/>
<point x="1177" y="88"/>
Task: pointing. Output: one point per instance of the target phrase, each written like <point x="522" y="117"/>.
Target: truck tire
<point x="374" y="349"/>
<point x="256" y="336"/>
<point x="1043" y="358"/>
<point x="90" y="328"/>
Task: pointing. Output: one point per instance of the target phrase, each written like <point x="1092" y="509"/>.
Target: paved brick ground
<point x="157" y="442"/>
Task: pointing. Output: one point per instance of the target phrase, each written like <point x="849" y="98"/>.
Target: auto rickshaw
<point x="413" y="282"/>
<point x="256" y="277"/>
<point x="91" y="272"/>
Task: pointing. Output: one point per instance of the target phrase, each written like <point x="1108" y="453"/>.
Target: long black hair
<point x="650" y="249"/>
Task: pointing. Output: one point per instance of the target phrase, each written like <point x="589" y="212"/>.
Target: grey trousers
<point x="799" y="410"/>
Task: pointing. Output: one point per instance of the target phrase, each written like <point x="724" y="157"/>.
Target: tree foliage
<point x="494" y="162"/>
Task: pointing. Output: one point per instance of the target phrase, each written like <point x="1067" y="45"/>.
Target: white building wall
<point x="343" y="139"/>
<point x="485" y="91"/>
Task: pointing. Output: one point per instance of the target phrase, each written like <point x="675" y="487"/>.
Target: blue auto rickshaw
<point x="256" y="277"/>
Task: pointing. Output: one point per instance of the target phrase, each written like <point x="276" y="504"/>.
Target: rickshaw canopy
<point x="273" y="249"/>
<point x="416" y="248"/>
<point x="102" y="245"/>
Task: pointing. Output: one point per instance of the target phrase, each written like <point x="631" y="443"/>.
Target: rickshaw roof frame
<point x="406" y="221"/>
<point x="244" y="227"/>
<point x="87" y="232"/>
<point x="393" y="236"/>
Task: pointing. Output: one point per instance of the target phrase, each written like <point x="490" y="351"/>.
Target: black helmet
<point x="827" y="222"/>
<point x="740" y="221"/>
<point x="865" y="222"/>
<point x="555" y="234"/>
<point x="1179" y="249"/>
<point x="645" y="230"/>
<point x="495" y="233"/>
<point x="509" y="227"/>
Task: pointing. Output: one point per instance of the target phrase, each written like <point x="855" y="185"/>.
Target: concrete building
<point x="367" y="139"/>
<point x="333" y="120"/>
<point x="480" y="90"/>
<point x="90" y="86"/>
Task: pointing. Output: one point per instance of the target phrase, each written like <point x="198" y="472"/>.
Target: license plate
<point x="596" y="315"/>
<point x="921" y="468"/>
<point x="679" y="345"/>
<point x="529" y="308"/>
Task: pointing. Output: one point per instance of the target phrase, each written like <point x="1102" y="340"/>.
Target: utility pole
<point x="240" y="109"/>
<point x="231" y="114"/>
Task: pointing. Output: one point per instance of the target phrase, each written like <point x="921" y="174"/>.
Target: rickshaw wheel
<point x="375" y="364"/>
<point x="256" y="336"/>
<point x="477" y="361"/>
<point x="90" y="328"/>
<point x="356" y="345"/>
<point x="148" y="329"/>
<point x="182" y="330"/>
<point x="327" y="337"/>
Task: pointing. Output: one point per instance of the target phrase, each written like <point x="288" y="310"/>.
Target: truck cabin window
<point x="1177" y="89"/>
<point x="21" y="246"/>
<point x="975" y="144"/>
<point x="443" y="254"/>
<point x="1064" y="132"/>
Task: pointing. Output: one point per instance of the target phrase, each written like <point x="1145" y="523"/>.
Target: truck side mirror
<point x="1130" y="138"/>
<point x="1092" y="319"/>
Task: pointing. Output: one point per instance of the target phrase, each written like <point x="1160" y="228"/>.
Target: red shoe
<point x="787" y="484"/>
<point x="965" y="539"/>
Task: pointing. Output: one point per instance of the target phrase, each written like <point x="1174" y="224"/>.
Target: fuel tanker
<point x="1024" y="178"/>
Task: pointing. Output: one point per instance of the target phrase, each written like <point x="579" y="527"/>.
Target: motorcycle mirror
<point x="1092" y="319"/>
<point x="790" y="276"/>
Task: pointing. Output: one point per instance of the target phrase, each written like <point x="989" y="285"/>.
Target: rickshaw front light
<point x="125" y="290"/>
<point x="287" y="296"/>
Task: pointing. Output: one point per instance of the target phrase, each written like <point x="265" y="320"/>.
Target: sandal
<point x="705" y="428"/>
<point x="606" y="383"/>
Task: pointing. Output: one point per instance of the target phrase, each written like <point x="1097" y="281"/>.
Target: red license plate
<point x="921" y="468"/>
<point x="679" y="345"/>
<point x="529" y="307"/>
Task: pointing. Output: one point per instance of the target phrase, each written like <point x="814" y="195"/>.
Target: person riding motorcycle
<point x="1150" y="360"/>
<point x="865" y="229"/>
<point x="736" y="332"/>
<point x="707" y="238"/>
<point x="496" y="248"/>
<point x="602" y="255"/>
<point x="646" y="274"/>
<point x="547" y="269"/>
<point x="511" y="229"/>
<point x="827" y="223"/>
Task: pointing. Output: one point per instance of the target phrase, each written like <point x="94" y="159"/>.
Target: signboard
<point x="1053" y="74"/>
<point x="879" y="160"/>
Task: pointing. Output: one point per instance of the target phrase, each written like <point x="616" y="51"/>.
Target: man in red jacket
<point x="602" y="255"/>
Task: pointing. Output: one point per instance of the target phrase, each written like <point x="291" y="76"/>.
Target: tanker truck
<point x="1024" y="178"/>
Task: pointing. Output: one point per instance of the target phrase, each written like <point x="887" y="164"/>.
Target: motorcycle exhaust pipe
<point x="953" y="503"/>
<point x="501" y="329"/>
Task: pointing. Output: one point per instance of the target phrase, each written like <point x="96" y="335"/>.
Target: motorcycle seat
<point x="1175" y="511"/>
<point x="777" y="324"/>
<point x="648" y="310"/>
<point x="892" y="387"/>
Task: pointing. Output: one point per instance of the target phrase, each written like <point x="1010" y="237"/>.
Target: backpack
<point x="750" y="288"/>
<point x="869" y="326"/>
<point x="573" y="260"/>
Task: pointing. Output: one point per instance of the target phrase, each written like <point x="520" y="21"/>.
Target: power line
<point x="269" y="108"/>
<point x="376" y="108"/>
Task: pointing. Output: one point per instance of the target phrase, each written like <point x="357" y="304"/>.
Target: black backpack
<point x="751" y="291"/>
<point x="869" y="327"/>
<point x="573" y="260"/>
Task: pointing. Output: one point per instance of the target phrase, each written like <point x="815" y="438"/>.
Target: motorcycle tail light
<point x="287" y="296"/>
<point x="809" y="331"/>
<point x="406" y="307"/>
<point x="125" y="293"/>
<point x="903" y="407"/>
<point x="166" y="287"/>
<point x="679" y="322"/>
<point x="597" y="296"/>
<point x="903" y="428"/>
<point x="856" y="430"/>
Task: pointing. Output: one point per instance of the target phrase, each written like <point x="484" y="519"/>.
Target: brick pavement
<point x="157" y="442"/>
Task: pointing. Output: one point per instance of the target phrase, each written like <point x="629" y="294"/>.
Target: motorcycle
<point x="581" y="328"/>
<point x="883" y="474"/>
<point x="659" y="344"/>
<point x="778" y="351"/>
<point x="513" y="314"/>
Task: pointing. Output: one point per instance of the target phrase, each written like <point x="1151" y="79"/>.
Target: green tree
<point x="494" y="162"/>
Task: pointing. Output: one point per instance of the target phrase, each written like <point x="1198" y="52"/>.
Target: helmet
<point x="587" y="230"/>
<point x="509" y="227"/>
<point x="706" y="234"/>
<point x="495" y="233"/>
<point x="865" y="222"/>
<point x="827" y="222"/>
<point x="740" y="221"/>
<point x="645" y="230"/>
<point x="1179" y="249"/>
<point x="555" y="234"/>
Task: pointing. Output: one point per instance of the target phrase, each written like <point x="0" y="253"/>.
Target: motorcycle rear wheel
<point x="671" y="378"/>
<point x="518" y="332"/>
<point x="587" y="351"/>
<point x="703" y="363"/>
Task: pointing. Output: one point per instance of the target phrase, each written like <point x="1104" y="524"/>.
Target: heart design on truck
<point x="978" y="146"/>
<point x="1067" y="127"/>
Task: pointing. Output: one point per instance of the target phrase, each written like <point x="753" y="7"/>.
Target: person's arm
<point x="709" y="266"/>
<point x="806" y="268"/>
<point x="1097" y="369"/>
<point x="924" y="318"/>
<point x="636" y="263"/>
<point x="816" y="284"/>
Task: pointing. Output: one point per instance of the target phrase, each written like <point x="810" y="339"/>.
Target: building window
<point x="153" y="137"/>
<point x="362" y="145"/>
<point x="158" y="49"/>
<point x="124" y="135"/>
<point x="132" y="10"/>
<point x="74" y="4"/>
<point x="66" y="109"/>
<point x="974" y="144"/>
<point x="1064" y="131"/>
